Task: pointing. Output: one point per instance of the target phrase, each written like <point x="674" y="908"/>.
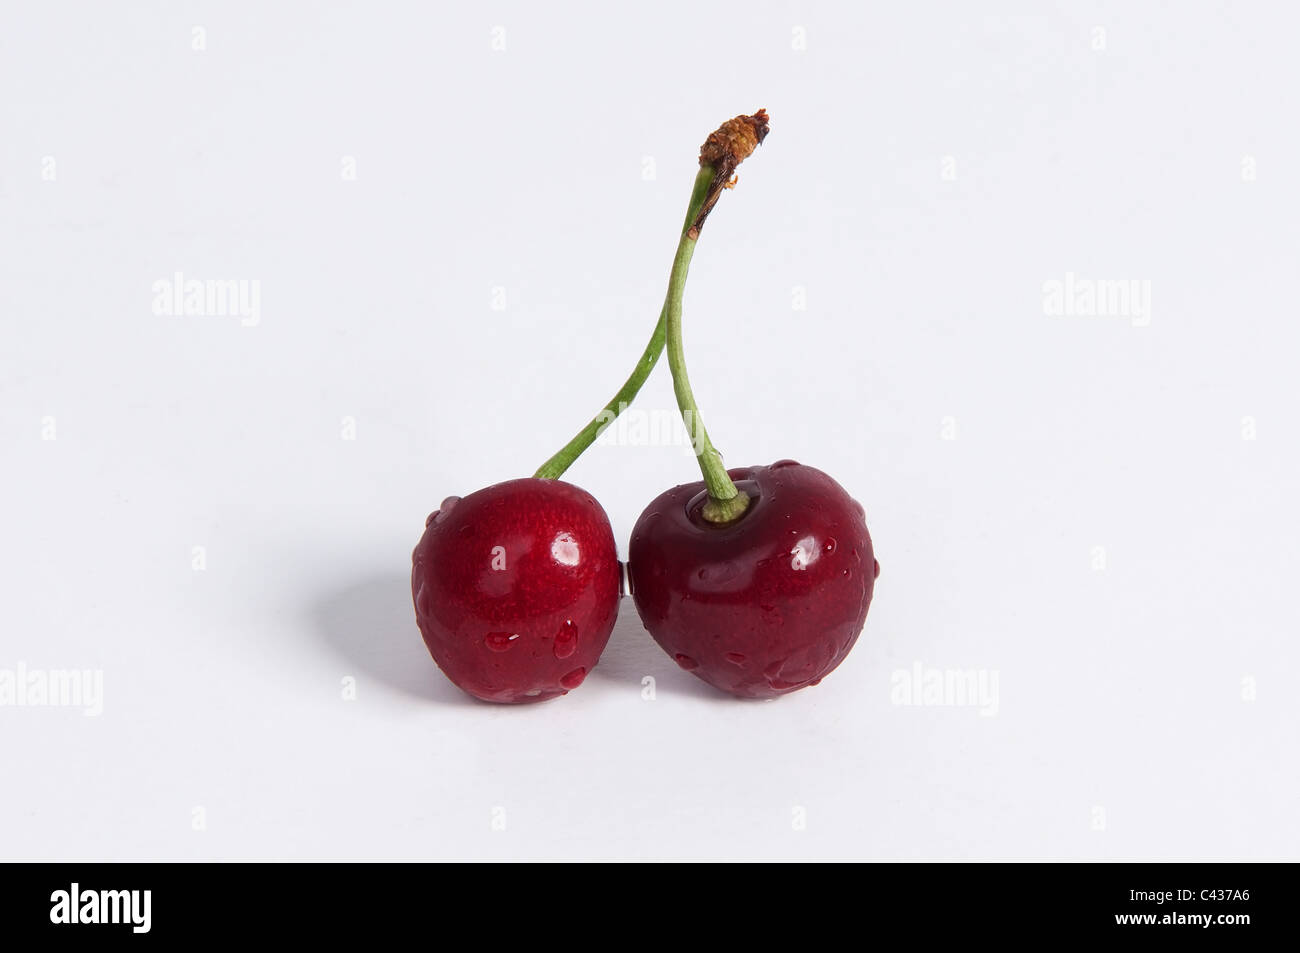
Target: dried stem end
<point x="728" y="146"/>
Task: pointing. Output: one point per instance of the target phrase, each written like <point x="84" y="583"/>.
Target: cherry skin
<point x="764" y="605"/>
<point x="516" y="588"/>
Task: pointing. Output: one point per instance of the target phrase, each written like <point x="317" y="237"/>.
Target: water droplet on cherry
<point x="735" y="658"/>
<point x="566" y="641"/>
<point x="774" y="674"/>
<point x="686" y="662"/>
<point x="500" y="641"/>
<point x="573" y="679"/>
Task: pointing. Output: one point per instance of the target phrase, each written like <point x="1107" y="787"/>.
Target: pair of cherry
<point x="755" y="579"/>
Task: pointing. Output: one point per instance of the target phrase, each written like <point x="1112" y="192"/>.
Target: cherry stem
<point x="564" y="458"/>
<point x="725" y="502"/>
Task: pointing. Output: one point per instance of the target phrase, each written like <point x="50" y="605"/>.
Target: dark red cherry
<point x="764" y="605"/>
<point x="516" y="589"/>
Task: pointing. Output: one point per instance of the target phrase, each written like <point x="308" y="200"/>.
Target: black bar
<point x="870" y="901"/>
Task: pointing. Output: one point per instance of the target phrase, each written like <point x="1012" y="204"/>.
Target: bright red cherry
<point x="764" y="605"/>
<point x="516" y="588"/>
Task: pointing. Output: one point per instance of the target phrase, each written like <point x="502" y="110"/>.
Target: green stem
<point x="725" y="502"/>
<point x="563" y="459"/>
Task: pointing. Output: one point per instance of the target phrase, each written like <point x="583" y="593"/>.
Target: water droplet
<point x="566" y="641"/>
<point x="500" y="641"/>
<point x="783" y="463"/>
<point x="573" y="679"/>
<point x="432" y="516"/>
<point x="735" y="658"/>
<point x="877" y="562"/>
<point x="532" y="693"/>
<point x="829" y="546"/>
<point x="781" y="684"/>
<point x="686" y="662"/>
<point x="422" y="600"/>
<point x="448" y="504"/>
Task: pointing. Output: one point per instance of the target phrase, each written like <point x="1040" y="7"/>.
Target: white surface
<point x="1119" y="689"/>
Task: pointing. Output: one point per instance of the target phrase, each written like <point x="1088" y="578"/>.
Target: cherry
<point x="757" y="580"/>
<point x="768" y="603"/>
<point x="516" y="588"/>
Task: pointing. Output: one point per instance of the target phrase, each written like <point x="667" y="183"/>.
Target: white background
<point x="1146" y="710"/>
